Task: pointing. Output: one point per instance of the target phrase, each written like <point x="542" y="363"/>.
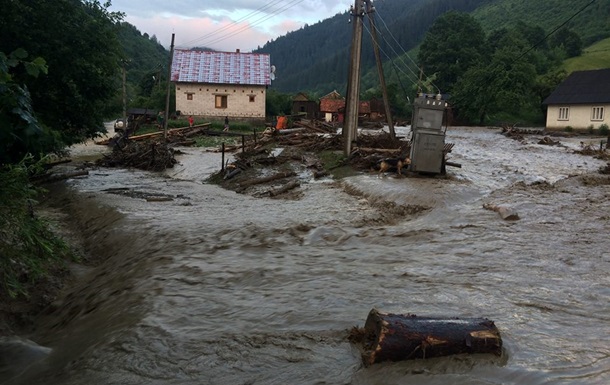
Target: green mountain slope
<point x="591" y="24"/>
<point x="315" y="59"/>
<point x="596" y="56"/>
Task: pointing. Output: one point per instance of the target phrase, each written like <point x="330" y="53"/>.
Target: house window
<point x="252" y="97"/>
<point x="597" y="113"/>
<point x="564" y="113"/>
<point x="221" y="101"/>
<point x="189" y="96"/>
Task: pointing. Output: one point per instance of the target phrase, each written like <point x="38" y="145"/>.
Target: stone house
<point x="219" y="84"/>
<point x="581" y="101"/>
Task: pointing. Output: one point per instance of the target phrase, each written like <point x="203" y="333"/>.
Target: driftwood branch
<point x="271" y="178"/>
<point x="49" y="178"/>
<point x="283" y="189"/>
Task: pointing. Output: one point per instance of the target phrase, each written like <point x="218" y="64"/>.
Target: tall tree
<point x="505" y="84"/>
<point x="452" y="45"/>
<point x="77" y="39"/>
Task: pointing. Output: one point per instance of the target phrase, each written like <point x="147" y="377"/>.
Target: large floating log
<point x="397" y="337"/>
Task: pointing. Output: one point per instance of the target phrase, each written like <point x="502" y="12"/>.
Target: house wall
<point x="203" y="103"/>
<point x="579" y="117"/>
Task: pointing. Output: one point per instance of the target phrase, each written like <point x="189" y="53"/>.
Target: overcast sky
<point x="224" y="25"/>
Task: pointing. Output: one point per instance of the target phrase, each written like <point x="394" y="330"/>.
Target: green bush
<point x="603" y="129"/>
<point x="28" y="248"/>
<point x="569" y="129"/>
<point x="590" y="129"/>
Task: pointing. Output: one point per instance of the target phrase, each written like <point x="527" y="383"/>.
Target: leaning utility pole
<point x="352" y="102"/>
<point x="384" y="91"/>
<point x="169" y="82"/>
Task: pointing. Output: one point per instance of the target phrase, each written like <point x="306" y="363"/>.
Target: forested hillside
<point x="592" y="24"/>
<point x="146" y="62"/>
<point x="315" y="58"/>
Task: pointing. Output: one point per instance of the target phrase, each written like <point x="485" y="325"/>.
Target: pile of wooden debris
<point x="145" y="155"/>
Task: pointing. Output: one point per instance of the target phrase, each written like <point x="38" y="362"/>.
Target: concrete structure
<point x="580" y="102"/>
<point x="219" y="84"/>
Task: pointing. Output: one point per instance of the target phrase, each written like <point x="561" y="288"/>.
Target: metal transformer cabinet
<point x="427" y="135"/>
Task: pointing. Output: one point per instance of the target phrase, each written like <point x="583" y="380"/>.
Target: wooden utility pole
<point x="124" y="97"/>
<point x="169" y="82"/>
<point x="352" y="102"/>
<point x="384" y="91"/>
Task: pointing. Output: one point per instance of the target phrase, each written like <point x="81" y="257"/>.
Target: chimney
<point x="237" y="50"/>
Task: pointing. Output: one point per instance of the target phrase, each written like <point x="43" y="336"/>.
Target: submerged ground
<point x="216" y="287"/>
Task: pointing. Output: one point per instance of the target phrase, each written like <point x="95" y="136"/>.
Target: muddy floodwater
<point x="215" y="287"/>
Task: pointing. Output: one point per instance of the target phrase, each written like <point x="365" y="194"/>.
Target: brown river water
<point x="216" y="287"/>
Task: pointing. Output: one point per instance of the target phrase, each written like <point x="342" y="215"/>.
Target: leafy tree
<point x="20" y="131"/>
<point x="547" y="83"/>
<point x="453" y="44"/>
<point x="568" y="40"/>
<point x="503" y="85"/>
<point x="77" y="39"/>
<point x="278" y="103"/>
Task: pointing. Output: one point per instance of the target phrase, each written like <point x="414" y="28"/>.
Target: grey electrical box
<point x="428" y="136"/>
<point x="427" y="151"/>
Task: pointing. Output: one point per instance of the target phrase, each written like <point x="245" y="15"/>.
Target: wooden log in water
<point x="507" y="213"/>
<point x="397" y="337"/>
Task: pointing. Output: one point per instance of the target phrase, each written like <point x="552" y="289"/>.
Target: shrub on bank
<point x="28" y="248"/>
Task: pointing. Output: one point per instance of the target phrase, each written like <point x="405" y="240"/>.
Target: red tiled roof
<point x="335" y="105"/>
<point x="331" y="105"/>
<point x="221" y="67"/>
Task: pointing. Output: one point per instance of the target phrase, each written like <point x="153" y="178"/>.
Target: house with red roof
<point x="219" y="84"/>
<point x="332" y="107"/>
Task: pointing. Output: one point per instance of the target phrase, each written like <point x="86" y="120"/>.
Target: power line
<point x="555" y="30"/>
<point x="405" y="54"/>
<point x="256" y="22"/>
<point x="233" y="23"/>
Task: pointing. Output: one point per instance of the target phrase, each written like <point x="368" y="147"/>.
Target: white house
<point x="581" y="101"/>
<point x="219" y="84"/>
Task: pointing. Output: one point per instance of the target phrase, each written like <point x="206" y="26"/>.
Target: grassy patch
<point x="336" y="164"/>
<point x="596" y="56"/>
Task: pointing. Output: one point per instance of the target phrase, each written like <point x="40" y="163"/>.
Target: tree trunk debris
<point x="283" y="189"/>
<point x="398" y="337"/>
<point x="281" y="175"/>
